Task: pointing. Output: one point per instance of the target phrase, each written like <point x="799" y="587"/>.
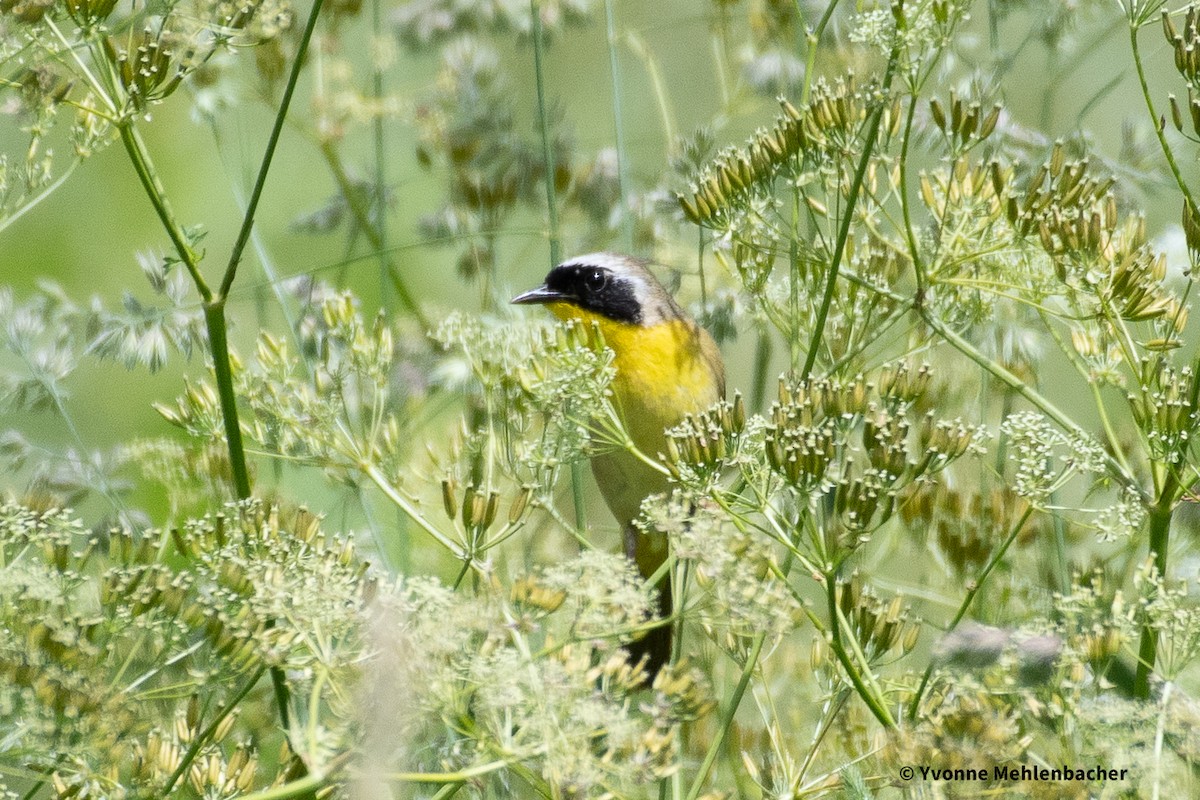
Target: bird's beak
<point x="540" y="295"/>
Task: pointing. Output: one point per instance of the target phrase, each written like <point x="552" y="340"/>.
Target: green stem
<point x="410" y="509"/>
<point x="577" y="481"/>
<point x="218" y="343"/>
<point x="965" y="606"/>
<point x="48" y="190"/>
<point x="450" y="777"/>
<point x="614" y="69"/>
<point x="544" y="122"/>
<point x="679" y="595"/>
<point x="448" y="791"/>
<point x="235" y="255"/>
<point x="214" y="307"/>
<point x="869" y="695"/>
<point x="1024" y="390"/>
<point x="762" y="361"/>
<point x="380" y="141"/>
<point x="720" y="49"/>
<point x="1160" y="540"/>
<point x="726" y="722"/>
<point x="139" y="156"/>
<point x="303" y="787"/>
<point x="910" y="235"/>
<point x="642" y="50"/>
<point x="214" y="316"/>
<point x="839" y="248"/>
<point x="814" y="39"/>
<point x="796" y="319"/>
<point x="1114" y="442"/>
<point x="1155" y="122"/>
<point x="205" y="735"/>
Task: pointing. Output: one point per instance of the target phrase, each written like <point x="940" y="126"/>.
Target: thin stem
<point x="1161" y="512"/>
<point x="380" y="140"/>
<point x="214" y="317"/>
<point x="544" y="123"/>
<point x="303" y="787"/>
<point x="448" y="791"/>
<point x="869" y="694"/>
<point x="813" y="39"/>
<point x="614" y="69"/>
<point x="139" y="156"/>
<point x="762" y="361"/>
<point x="965" y="606"/>
<point x="577" y="496"/>
<point x="726" y="722"/>
<point x="218" y="343"/>
<point x="450" y="777"/>
<point x="99" y="90"/>
<point x="1114" y="443"/>
<point x="679" y="594"/>
<point x="410" y="508"/>
<point x="1024" y="390"/>
<point x="40" y="196"/>
<point x="203" y="737"/>
<point x="1159" y="731"/>
<point x="1156" y="123"/>
<point x="219" y="348"/>
<point x="839" y="248"/>
<point x="1160" y="540"/>
<point x="638" y="46"/>
<point x="720" y="49"/>
<point x="274" y="284"/>
<point x="798" y="320"/>
<point x="910" y="235"/>
<point x="235" y="256"/>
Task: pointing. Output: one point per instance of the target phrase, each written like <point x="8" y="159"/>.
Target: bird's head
<point x="609" y="285"/>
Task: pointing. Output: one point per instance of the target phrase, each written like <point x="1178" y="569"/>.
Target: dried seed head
<point x="1169" y="29"/>
<point x="493" y="504"/>
<point x="519" y="504"/>
<point x="939" y="113"/>
<point x="1191" y="226"/>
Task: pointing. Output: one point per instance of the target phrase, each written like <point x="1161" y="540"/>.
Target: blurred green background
<point x="1060" y="68"/>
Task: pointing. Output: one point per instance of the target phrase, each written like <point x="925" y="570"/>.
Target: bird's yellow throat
<point x="662" y="372"/>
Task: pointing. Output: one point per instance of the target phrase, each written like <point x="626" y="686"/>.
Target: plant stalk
<point x="235" y="255"/>
<point x="848" y="215"/>
<point x="535" y="12"/>
<point x="1156" y="122"/>
<point x="218" y="344"/>
<point x="726" y="722"/>
<point x="1160" y="540"/>
<point x="965" y="606"/>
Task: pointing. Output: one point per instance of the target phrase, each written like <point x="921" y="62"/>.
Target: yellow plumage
<point x="663" y="372"/>
<point x="667" y="367"/>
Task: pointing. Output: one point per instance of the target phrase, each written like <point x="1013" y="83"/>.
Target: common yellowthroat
<point x="667" y="366"/>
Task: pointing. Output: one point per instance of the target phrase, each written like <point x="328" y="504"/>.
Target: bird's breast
<point x="663" y="372"/>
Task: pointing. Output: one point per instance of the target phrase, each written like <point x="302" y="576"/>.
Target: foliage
<point x="942" y="538"/>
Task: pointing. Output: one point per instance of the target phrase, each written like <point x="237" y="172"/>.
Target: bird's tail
<point x="655" y="645"/>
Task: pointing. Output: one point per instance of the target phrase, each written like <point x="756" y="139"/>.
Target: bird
<point x="666" y="367"/>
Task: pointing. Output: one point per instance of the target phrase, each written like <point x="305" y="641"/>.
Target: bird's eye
<point x="595" y="280"/>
